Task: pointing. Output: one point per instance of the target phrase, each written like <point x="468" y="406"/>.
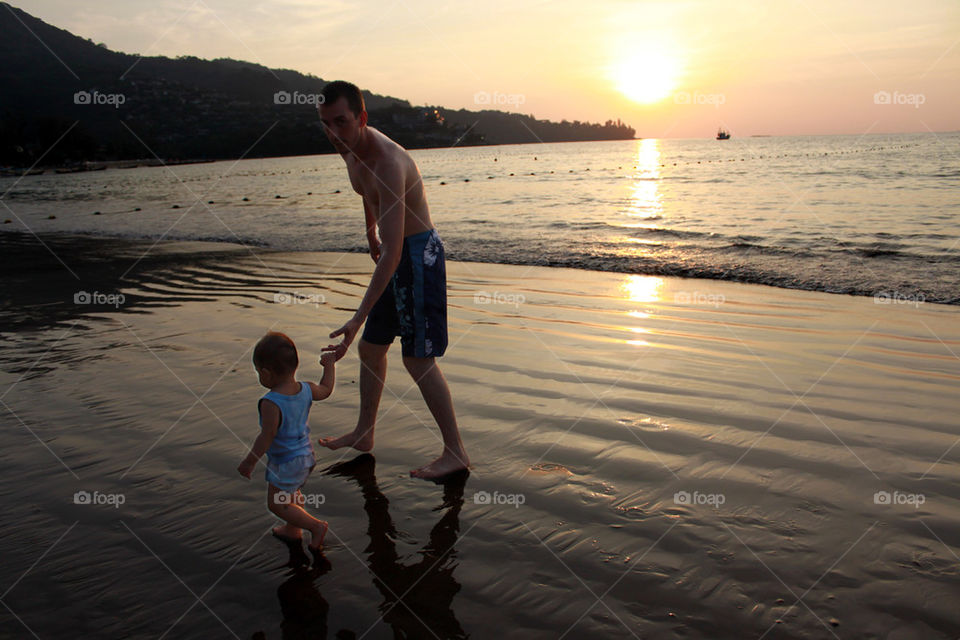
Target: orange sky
<point x="669" y="69"/>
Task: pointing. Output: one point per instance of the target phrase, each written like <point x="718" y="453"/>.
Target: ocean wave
<point x="735" y="260"/>
<point x="664" y="231"/>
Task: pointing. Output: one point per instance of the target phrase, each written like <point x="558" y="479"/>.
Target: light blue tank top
<point x="293" y="434"/>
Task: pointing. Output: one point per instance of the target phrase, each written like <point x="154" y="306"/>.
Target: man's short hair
<point x="337" y="89"/>
<point x="276" y="352"/>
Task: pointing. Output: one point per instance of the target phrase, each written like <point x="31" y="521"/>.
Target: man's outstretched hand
<point x="349" y="332"/>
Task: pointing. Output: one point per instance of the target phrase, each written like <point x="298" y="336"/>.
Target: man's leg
<point x="436" y="393"/>
<point x="373" y="372"/>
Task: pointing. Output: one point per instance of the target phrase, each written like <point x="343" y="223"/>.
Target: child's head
<point x="275" y="358"/>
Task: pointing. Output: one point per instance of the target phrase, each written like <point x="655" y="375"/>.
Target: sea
<point x="872" y="215"/>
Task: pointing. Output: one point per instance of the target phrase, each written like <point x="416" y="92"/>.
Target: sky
<point x="673" y="69"/>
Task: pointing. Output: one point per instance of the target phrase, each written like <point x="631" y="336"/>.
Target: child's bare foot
<point x="317" y="535"/>
<point x="443" y="466"/>
<point x="288" y="533"/>
<point x="361" y="442"/>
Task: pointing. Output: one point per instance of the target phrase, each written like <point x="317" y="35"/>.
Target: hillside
<point x="115" y="105"/>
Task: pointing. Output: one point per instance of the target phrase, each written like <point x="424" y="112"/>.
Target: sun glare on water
<point x="645" y="75"/>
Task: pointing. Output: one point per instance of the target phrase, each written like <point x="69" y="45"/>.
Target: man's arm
<point x="390" y="222"/>
<point x="370" y="218"/>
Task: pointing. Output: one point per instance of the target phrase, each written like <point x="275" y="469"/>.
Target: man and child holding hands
<point x="406" y="297"/>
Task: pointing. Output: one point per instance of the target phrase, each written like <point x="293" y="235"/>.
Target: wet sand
<point x="653" y="457"/>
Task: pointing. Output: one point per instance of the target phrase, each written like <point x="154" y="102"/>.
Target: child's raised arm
<point x="324" y="388"/>
<point x="269" y="423"/>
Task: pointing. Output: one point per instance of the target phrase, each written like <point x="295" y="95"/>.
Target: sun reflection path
<point x="645" y="199"/>
<point x="644" y="289"/>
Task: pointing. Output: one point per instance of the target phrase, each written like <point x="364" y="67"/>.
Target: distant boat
<point x="723" y="134"/>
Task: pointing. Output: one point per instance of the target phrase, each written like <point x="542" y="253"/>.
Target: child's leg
<point x="290" y="509"/>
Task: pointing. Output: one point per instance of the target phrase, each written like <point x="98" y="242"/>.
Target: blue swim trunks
<point x="290" y="475"/>
<point x="414" y="304"/>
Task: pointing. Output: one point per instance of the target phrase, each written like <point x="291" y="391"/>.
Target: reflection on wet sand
<point x="304" y="608"/>
<point x="417" y="596"/>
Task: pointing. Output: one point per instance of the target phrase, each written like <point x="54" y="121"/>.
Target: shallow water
<point x="590" y="403"/>
<point x="874" y="215"/>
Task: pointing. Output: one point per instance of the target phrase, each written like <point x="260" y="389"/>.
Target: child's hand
<point x="328" y="358"/>
<point x="246" y="468"/>
<point x="338" y="350"/>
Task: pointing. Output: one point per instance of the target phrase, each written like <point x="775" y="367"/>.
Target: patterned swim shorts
<point x="414" y="304"/>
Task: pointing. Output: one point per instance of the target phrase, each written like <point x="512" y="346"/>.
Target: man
<point x="407" y="292"/>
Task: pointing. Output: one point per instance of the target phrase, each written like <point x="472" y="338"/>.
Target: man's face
<point x="341" y="125"/>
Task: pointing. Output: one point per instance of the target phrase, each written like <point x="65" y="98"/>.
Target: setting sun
<point x="645" y="75"/>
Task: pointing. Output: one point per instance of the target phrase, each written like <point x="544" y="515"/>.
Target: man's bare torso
<point x="366" y="182"/>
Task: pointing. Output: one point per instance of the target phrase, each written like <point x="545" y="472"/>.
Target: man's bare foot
<point x="288" y="533"/>
<point x="316" y="537"/>
<point x="362" y="442"/>
<point x="443" y="466"/>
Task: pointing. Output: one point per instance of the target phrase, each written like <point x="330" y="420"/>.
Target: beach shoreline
<point x="15" y="239"/>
